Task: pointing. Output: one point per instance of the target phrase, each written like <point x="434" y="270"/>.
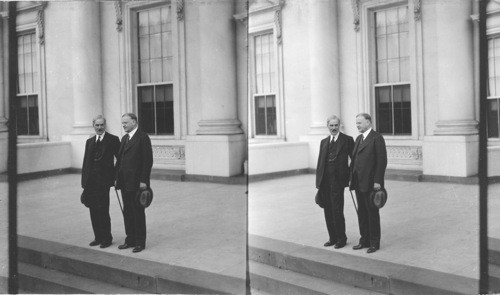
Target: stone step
<point x="362" y="272"/>
<point x="273" y="280"/>
<point x="36" y="279"/>
<point x="124" y="270"/>
<point x="494" y="251"/>
<point x="168" y="174"/>
<point x="494" y="278"/>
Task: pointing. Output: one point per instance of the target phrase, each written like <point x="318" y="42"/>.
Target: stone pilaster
<point x="218" y="148"/>
<point x="453" y="149"/>
<point x="86" y="63"/>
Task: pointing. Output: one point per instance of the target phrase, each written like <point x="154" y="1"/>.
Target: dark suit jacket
<point x="343" y="152"/>
<point x="135" y="160"/>
<point x="110" y="145"/>
<point x="369" y="159"/>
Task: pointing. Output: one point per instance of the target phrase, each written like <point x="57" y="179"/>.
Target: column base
<point x="215" y="155"/>
<point x="4" y="151"/>
<point x="451" y="155"/>
<point x="314" y="140"/>
<point x="3" y="124"/>
<point x="77" y="148"/>
<point x="223" y="127"/>
<point x="318" y="129"/>
<point x="456" y="127"/>
<point x="80" y="128"/>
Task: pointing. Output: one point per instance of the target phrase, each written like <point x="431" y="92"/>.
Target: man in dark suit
<point x="98" y="176"/>
<point x="133" y="167"/>
<point x="369" y="160"/>
<point x="332" y="176"/>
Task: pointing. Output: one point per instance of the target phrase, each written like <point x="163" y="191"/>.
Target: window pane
<point x="393" y="70"/>
<point x="166" y="44"/>
<point x="144" y="47"/>
<point x="493" y="118"/>
<point x="33" y="115"/>
<point x="402" y="110"/>
<point x="155" y="46"/>
<point x="392" y="20"/>
<point x="167" y="70"/>
<point x="22" y="116"/>
<point x="143" y="23"/>
<point x="260" y="115"/>
<point x="154" y="21"/>
<point x="380" y="23"/>
<point x="156" y="72"/>
<point x="404" y="68"/>
<point x="381" y="47"/>
<point x="271" y="115"/>
<point x="384" y="109"/>
<point x="144" y="72"/>
<point x="382" y="72"/>
<point x="392" y="46"/>
<point x="166" y="21"/>
<point x="264" y="64"/>
<point x="146" y="109"/>
<point x="165" y="109"/>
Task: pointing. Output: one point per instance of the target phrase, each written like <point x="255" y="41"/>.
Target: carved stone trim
<point x="164" y="154"/>
<point x="417" y="9"/>
<point x="119" y="15"/>
<point x="180" y="10"/>
<point x="277" y="20"/>
<point x="355" y="13"/>
<point x="40" y="19"/>
<point x="411" y="153"/>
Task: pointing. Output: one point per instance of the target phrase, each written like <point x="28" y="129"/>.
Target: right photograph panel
<point x="363" y="147"/>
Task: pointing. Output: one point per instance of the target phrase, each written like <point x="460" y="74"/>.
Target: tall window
<point x="493" y="87"/>
<point x="155" y="57"/>
<point x="392" y="83"/>
<point x="27" y="85"/>
<point x="265" y="85"/>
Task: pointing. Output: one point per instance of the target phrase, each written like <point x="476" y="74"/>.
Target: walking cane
<point x="353" y="201"/>
<point x="119" y="202"/>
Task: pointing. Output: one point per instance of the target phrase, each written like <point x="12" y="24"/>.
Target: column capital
<point x="222" y="126"/>
<point x="456" y="127"/>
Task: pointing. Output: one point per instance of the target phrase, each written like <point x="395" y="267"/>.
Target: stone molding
<point x="119" y="15"/>
<point x="219" y="127"/>
<point x="180" y="10"/>
<point x="165" y="154"/>
<point x="355" y="13"/>
<point x="417" y="9"/>
<point x="456" y="127"/>
<point x="413" y="153"/>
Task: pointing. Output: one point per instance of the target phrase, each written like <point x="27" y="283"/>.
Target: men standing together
<point x="98" y="175"/>
<point x="366" y="173"/>
<point x="332" y="176"/>
<point x="134" y="160"/>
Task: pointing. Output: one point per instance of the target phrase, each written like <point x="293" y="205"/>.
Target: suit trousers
<point x="134" y="218"/>
<point x="334" y="210"/>
<point x="369" y="220"/>
<point x="99" y="214"/>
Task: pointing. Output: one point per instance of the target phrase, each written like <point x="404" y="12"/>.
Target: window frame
<point x="369" y="68"/>
<point x="497" y="97"/>
<point x="131" y="42"/>
<point x="257" y="30"/>
<point x="29" y="28"/>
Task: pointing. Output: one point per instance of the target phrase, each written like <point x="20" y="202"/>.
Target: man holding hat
<point x="133" y="171"/>
<point x="332" y="176"/>
<point x="369" y="160"/>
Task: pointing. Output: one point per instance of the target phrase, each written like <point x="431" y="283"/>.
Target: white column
<point x="218" y="148"/>
<point x="324" y="71"/>
<point x="324" y="64"/>
<point x="453" y="150"/>
<point x="455" y="69"/>
<point x="218" y="66"/>
<point x="87" y="76"/>
<point x="86" y="62"/>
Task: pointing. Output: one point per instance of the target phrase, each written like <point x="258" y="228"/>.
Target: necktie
<point x="127" y="138"/>
<point x="98" y="139"/>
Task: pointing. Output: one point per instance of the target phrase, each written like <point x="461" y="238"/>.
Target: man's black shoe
<point x="138" y="249"/>
<point x="372" y="249"/>
<point x="339" y="245"/>
<point x="94" y="243"/>
<point x="359" y="246"/>
<point x="105" y="244"/>
<point x="125" y="246"/>
<point x="328" y="244"/>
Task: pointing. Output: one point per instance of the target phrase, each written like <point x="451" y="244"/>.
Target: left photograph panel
<point x="130" y="123"/>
